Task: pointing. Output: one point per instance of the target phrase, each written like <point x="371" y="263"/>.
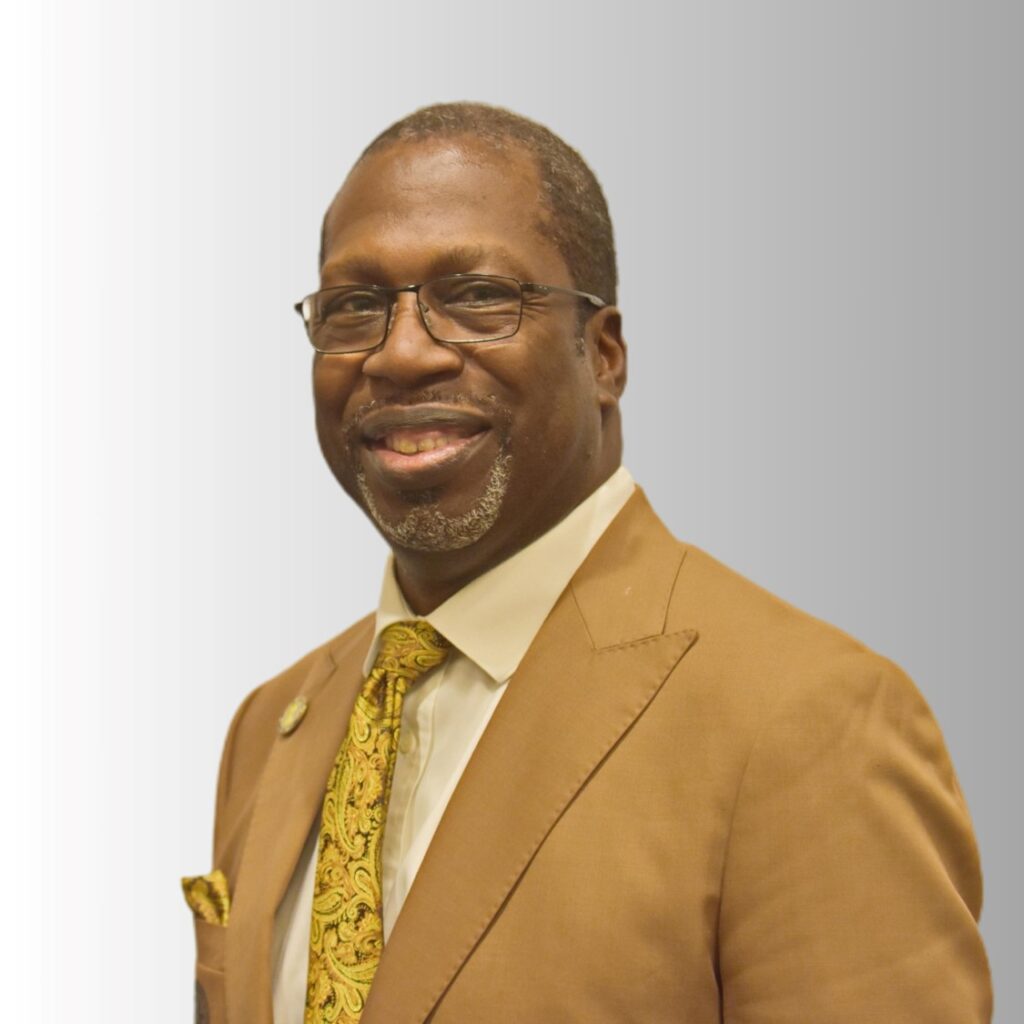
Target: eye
<point x="351" y="303"/>
<point x="476" y="292"/>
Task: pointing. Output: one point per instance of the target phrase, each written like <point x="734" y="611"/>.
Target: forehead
<point x="440" y="206"/>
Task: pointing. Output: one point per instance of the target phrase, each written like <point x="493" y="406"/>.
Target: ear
<point x="606" y="349"/>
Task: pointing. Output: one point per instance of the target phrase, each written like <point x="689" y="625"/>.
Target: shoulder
<point x="848" y="852"/>
<point x="751" y="647"/>
<point x="754" y="640"/>
<point x="265" y="704"/>
<point x="816" y="719"/>
<point x="725" y="603"/>
<point x="254" y="728"/>
<point x="787" y="689"/>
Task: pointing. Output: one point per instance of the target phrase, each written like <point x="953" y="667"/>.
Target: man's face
<point x="476" y="448"/>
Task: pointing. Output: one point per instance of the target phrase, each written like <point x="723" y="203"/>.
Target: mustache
<point x="486" y="405"/>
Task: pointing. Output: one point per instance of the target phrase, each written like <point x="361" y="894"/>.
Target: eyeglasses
<point x="458" y="309"/>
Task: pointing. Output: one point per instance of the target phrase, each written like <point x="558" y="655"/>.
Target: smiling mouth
<point x="417" y="444"/>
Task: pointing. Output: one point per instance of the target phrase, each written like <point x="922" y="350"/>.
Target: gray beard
<point x="426" y="528"/>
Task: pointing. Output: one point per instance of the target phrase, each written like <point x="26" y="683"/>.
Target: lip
<point x="467" y="421"/>
<point x="421" y="470"/>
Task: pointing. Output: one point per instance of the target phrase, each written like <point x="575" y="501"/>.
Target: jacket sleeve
<point x="851" y="888"/>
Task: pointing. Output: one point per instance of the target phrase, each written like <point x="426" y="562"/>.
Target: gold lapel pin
<point x="293" y="715"/>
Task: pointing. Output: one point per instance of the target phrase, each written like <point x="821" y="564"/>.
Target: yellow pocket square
<point x="208" y="897"/>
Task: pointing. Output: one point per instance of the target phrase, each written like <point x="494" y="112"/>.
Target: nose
<point x="409" y="356"/>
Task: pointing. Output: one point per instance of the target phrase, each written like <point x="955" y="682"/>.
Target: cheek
<point x="537" y="368"/>
<point x="334" y="383"/>
<point x="334" y="392"/>
<point x="558" y="414"/>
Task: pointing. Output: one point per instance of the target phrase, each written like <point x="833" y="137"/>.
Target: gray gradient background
<point x="821" y="237"/>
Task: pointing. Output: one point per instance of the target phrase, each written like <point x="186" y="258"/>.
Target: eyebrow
<point x="459" y="259"/>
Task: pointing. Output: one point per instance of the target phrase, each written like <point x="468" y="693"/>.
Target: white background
<point x="821" y="236"/>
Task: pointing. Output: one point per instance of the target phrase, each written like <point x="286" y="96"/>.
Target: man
<point x="571" y="770"/>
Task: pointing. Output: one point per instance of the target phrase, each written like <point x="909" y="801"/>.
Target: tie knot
<point x="408" y="649"/>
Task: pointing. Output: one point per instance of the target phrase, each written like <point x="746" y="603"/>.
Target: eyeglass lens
<point x="454" y="309"/>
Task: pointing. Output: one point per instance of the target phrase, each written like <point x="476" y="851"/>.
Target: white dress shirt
<point x="491" y="623"/>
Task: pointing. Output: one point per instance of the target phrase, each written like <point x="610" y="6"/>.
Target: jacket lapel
<point x="288" y="800"/>
<point x="597" y="662"/>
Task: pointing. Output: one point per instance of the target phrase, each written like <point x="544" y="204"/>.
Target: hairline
<point x="545" y="208"/>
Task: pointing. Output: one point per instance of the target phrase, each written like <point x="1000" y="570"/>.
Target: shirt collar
<point x="494" y="618"/>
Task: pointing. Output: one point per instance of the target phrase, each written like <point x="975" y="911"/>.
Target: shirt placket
<point x="414" y="747"/>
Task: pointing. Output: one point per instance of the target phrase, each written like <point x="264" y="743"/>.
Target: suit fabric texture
<point x="694" y="804"/>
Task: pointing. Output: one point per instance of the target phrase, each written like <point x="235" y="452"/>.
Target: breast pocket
<point x="210" y="939"/>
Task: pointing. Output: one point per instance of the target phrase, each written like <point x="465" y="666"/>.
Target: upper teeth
<point x="407" y="446"/>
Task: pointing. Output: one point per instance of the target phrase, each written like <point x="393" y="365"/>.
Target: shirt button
<point x="407" y="742"/>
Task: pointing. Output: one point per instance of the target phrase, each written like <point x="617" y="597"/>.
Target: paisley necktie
<point x="347" y="933"/>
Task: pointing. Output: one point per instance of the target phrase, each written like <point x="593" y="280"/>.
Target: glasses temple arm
<point x="548" y="288"/>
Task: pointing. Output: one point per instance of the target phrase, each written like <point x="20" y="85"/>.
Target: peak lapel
<point x="288" y="800"/>
<point x="597" y="662"/>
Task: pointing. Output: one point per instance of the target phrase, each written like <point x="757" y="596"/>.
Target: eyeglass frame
<point x="391" y="295"/>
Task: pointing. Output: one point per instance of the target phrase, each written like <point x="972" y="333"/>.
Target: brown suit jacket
<point x="693" y="804"/>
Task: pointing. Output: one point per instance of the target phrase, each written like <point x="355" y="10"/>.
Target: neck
<point x="424" y="592"/>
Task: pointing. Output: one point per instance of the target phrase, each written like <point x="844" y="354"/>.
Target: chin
<point x="425" y="525"/>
